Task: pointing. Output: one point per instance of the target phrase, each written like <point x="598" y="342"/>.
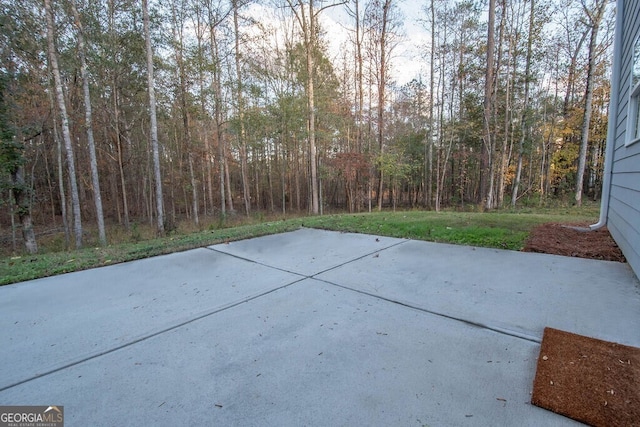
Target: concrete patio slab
<point x="55" y="322"/>
<point x="309" y="354"/>
<point x="306" y="328"/>
<point x="308" y="251"/>
<point x="508" y="291"/>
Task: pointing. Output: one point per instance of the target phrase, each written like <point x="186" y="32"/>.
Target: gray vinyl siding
<point x="623" y="219"/>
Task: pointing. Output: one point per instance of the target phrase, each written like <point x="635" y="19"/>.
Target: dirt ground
<point x="562" y="239"/>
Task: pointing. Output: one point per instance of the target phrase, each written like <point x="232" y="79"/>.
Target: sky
<point x="406" y="58"/>
<point x="406" y="61"/>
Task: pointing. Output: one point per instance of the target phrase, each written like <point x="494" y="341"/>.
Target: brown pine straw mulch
<point x="573" y="240"/>
<point x="593" y="381"/>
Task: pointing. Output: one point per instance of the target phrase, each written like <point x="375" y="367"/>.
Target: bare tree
<point x="356" y="14"/>
<point x="154" y="121"/>
<point x="382" y="83"/>
<point x="178" y="22"/>
<point x="307" y="17"/>
<point x="246" y="194"/>
<point x="595" y="16"/>
<point x="573" y="48"/>
<point x="525" y="106"/>
<point x="432" y="78"/>
<point x="66" y="134"/>
<point x="486" y="172"/>
<point x="95" y="180"/>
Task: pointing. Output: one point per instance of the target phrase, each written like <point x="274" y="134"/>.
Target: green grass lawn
<point x="498" y="229"/>
<point x="506" y="230"/>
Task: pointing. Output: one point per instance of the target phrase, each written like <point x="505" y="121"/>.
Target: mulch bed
<point x="562" y="239"/>
<point x="592" y="381"/>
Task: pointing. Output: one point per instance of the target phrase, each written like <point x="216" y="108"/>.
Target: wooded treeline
<point x="237" y="106"/>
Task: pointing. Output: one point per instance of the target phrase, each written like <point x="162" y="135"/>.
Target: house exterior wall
<point x="623" y="216"/>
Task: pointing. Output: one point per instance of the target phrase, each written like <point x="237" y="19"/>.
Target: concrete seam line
<point x="359" y="258"/>
<point x="310" y="276"/>
<point x="258" y="263"/>
<point x="499" y="330"/>
<point x="200" y="316"/>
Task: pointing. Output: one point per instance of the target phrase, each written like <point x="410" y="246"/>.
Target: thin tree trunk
<point x="359" y="95"/>
<point x="116" y="125"/>
<point x="154" y="122"/>
<point x="308" y="27"/>
<point x="66" y="134"/>
<point x="194" y="192"/>
<point x="246" y="195"/>
<point x="227" y="180"/>
<point x="310" y="43"/>
<point x="21" y="197"/>
<point x="504" y="155"/>
<point x="186" y="133"/>
<point x="429" y="171"/>
<point x="486" y="169"/>
<point x="441" y="136"/>
<point x="572" y="75"/>
<point x="223" y="175"/>
<point x="525" y="107"/>
<point x="63" y="197"/>
<point x="310" y="47"/>
<point x="123" y="181"/>
<point x="95" y="181"/>
<point x="382" y="84"/>
<point x="582" y="159"/>
<point x="501" y="172"/>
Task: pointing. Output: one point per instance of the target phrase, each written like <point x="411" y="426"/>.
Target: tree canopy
<point x="258" y="106"/>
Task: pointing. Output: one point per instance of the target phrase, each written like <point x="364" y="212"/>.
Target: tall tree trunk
<point x="430" y="141"/>
<point x="486" y="167"/>
<point x="66" y="134"/>
<point x="309" y="35"/>
<point x="95" y="180"/>
<point x="216" y="85"/>
<point x="154" y="122"/>
<point x="208" y="158"/>
<point x="382" y="85"/>
<point x="308" y="27"/>
<point x="123" y="180"/>
<point x="246" y="192"/>
<point x="359" y="97"/>
<point x="178" y="23"/>
<point x="595" y="20"/>
<point x="507" y="108"/>
<point x="441" y="136"/>
<point x="525" y="107"/>
<point x="310" y="42"/>
<point x="116" y="123"/>
<point x="59" y="162"/>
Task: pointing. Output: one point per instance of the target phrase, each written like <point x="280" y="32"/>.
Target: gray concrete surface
<point x="306" y="328"/>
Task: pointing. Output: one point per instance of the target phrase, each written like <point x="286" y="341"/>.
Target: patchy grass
<point x="506" y="230"/>
<point x="26" y="267"/>
<point x="499" y="229"/>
